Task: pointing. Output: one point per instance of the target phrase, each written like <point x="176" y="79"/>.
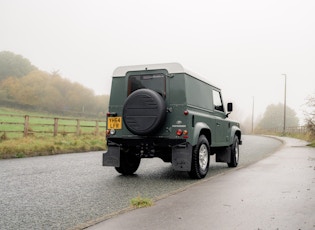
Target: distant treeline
<point x="24" y="86"/>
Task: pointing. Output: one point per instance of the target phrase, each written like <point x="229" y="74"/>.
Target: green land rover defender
<point x="165" y="111"/>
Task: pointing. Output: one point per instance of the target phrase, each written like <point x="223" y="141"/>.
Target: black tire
<point x="144" y="112"/>
<point x="235" y="153"/>
<point x="129" y="163"/>
<point x="200" y="159"/>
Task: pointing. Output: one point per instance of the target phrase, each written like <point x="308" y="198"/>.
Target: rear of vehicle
<point x="166" y="111"/>
<point x="146" y="119"/>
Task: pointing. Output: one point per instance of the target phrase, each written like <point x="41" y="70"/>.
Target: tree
<point x="310" y="114"/>
<point x="10" y="86"/>
<point x="13" y="65"/>
<point x="273" y="117"/>
<point x="21" y="84"/>
<point x="32" y="88"/>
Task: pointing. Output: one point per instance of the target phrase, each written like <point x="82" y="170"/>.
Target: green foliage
<point x="20" y="155"/>
<point x="310" y="114"/>
<point x="31" y="88"/>
<point x="273" y="117"/>
<point x="12" y="65"/>
<point x="312" y="144"/>
<point x="140" y="202"/>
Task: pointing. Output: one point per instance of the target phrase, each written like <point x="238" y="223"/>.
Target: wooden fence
<point x="31" y="125"/>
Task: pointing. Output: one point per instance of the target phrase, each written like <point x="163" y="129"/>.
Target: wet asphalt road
<point x="66" y="191"/>
<point x="275" y="193"/>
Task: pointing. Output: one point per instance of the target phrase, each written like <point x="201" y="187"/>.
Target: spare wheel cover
<point x="144" y="111"/>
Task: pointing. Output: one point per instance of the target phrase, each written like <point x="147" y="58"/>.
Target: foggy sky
<point x="242" y="46"/>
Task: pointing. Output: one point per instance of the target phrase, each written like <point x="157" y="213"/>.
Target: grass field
<point x="12" y="123"/>
<point x="41" y="140"/>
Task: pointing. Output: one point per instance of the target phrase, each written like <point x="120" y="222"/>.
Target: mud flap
<point x="112" y="156"/>
<point x="223" y="155"/>
<point x="181" y="157"/>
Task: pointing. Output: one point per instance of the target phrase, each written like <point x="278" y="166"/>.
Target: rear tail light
<point x="110" y="132"/>
<point x="107" y="133"/>
<point x="179" y="132"/>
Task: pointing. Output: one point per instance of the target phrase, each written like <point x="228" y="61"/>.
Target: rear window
<point x="154" y="82"/>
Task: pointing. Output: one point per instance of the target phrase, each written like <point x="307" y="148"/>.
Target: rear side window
<point x="154" y="82"/>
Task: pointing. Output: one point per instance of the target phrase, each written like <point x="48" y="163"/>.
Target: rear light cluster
<point x="181" y="132"/>
<point x="110" y="132"/>
<point x="111" y="114"/>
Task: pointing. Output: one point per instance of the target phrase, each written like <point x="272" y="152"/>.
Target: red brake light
<point x="107" y="133"/>
<point x="179" y="132"/>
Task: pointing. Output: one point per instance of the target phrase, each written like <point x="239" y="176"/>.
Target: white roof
<point x="172" y="68"/>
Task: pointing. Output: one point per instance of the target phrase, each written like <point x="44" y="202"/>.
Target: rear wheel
<point x="235" y="153"/>
<point x="200" y="159"/>
<point x="129" y="163"/>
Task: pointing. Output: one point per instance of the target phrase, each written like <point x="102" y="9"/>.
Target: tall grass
<point x="41" y="146"/>
<point x="306" y="136"/>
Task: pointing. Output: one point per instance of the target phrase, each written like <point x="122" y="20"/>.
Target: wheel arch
<point x="236" y="132"/>
<point x="201" y="129"/>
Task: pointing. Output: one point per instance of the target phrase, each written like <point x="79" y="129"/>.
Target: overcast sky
<point x="242" y="46"/>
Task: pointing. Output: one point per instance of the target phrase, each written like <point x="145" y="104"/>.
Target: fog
<point x="244" y="47"/>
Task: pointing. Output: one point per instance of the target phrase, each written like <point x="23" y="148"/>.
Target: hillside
<point x="24" y="86"/>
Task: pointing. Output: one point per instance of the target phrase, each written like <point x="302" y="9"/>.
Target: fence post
<point x="55" y="127"/>
<point x="78" y="127"/>
<point x="26" y="124"/>
<point x="96" y="128"/>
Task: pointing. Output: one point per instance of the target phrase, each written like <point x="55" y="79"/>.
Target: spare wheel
<point x="144" y="112"/>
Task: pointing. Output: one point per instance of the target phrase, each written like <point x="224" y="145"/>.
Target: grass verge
<point x="312" y="144"/>
<point x="41" y="146"/>
<point x="307" y="137"/>
<point x="140" y="202"/>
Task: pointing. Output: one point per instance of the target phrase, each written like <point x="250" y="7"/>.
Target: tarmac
<point x="277" y="192"/>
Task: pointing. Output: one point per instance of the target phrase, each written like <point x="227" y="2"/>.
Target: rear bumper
<point x="180" y="155"/>
<point x="145" y="141"/>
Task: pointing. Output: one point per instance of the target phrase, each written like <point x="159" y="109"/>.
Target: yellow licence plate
<point x="114" y="123"/>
